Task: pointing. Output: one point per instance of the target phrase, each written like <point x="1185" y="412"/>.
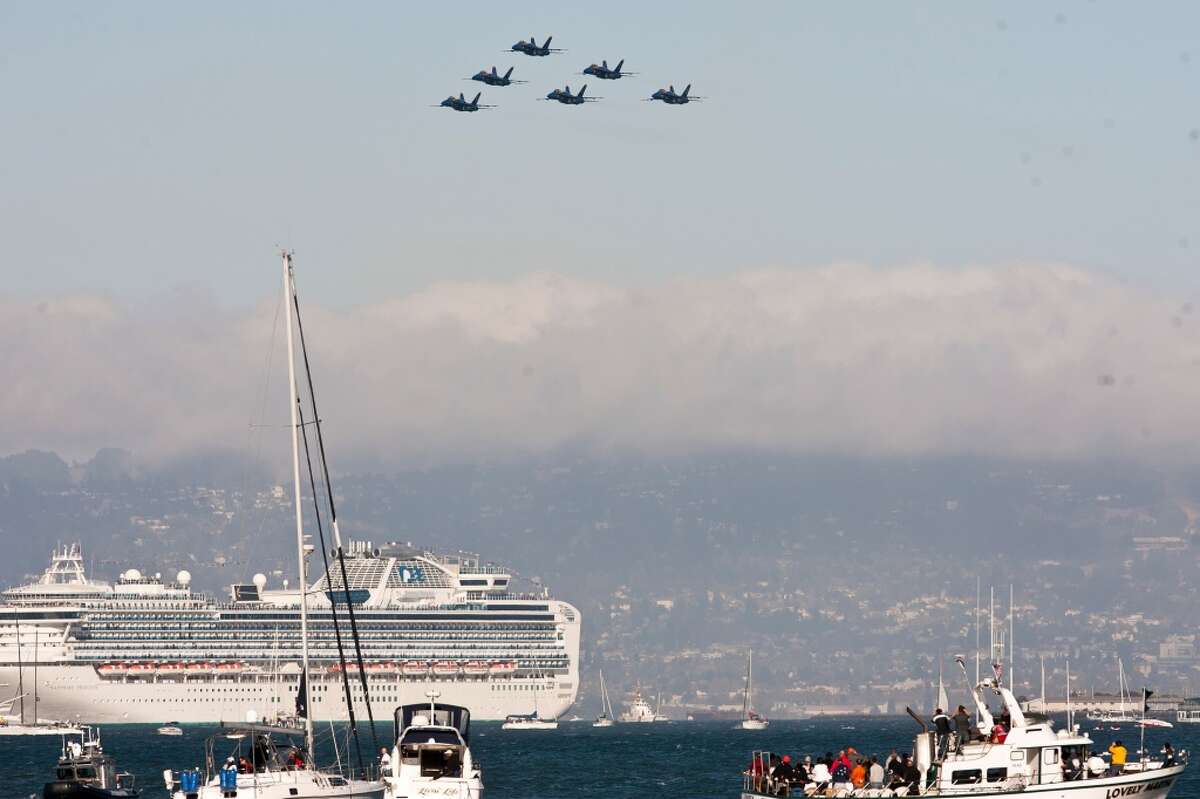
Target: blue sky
<point x="151" y="146"/>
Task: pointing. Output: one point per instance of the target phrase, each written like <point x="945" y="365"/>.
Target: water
<point x="631" y="761"/>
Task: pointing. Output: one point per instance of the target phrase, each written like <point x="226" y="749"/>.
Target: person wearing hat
<point x="800" y="771"/>
<point x="783" y="774"/>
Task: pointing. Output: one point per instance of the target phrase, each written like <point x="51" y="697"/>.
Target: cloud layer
<point x="1009" y="361"/>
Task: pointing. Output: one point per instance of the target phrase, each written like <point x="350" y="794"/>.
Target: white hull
<point x="27" y="729"/>
<point x="753" y="724"/>
<point x="77" y="694"/>
<point x="1150" y="786"/>
<point x="293" y="785"/>
<point x="530" y="725"/>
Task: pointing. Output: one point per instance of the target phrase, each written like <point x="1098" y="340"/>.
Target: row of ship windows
<point x="198" y="624"/>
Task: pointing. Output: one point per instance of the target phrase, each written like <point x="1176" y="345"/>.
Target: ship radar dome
<point x="184" y="577"/>
<point x="133" y="574"/>
<point x="260" y="580"/>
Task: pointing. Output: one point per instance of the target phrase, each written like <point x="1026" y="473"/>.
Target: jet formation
<point x="601" y="71"/>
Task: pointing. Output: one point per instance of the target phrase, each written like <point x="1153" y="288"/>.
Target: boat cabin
<point x="84" y="769"/>
<point x="431" y="741"/>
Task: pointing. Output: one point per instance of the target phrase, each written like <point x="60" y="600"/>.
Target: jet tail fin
<point x="547" y="44"/>
<point x="581" y="91"/>
<point x="686" y="89"/>
<point x="618" y="67"/>
<point x="506" y="74"/>
<point x="476" y="100"/>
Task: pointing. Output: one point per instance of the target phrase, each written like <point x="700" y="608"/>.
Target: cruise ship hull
<point x="77" y="693"/>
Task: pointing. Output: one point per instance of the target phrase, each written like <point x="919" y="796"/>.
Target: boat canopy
<point x="437" y="715"/>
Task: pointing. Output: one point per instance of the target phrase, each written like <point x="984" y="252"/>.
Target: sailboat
<point x="529" y="721"/>
<point x="606" y="717"/>
<point x="943" y="700"/>
<point x="1123" y="716"/>
<point x="750" y="719"/>
<point x="15" y="724"/>
<point x="280" y="767"/>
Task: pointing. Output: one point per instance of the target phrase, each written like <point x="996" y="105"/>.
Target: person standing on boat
<point x="385" y="763"/>
<point x="911" y="777"/>
<point x="875" y="774"/>
<point x="941" y="723"/>
<point x="1168" y="755"/>
<point x="1118" y="752"/>
<point x="229" y="775"/>
<point x="962" y="727"/>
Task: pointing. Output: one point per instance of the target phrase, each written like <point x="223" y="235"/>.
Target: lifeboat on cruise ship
<point x="198" y="668"/>
<point x="503" y="668"/>
<point x="333" y="668"/>
<point x="111" y="670"/>
<point x="230" y="668"/>
<point x="414" y="668"/>
<point x="141" y="670"/>
<point x="170" y="669"/>
<point x="445" y="668"/>
<point x="381" y="668"/>
<point x="475" y="668"/>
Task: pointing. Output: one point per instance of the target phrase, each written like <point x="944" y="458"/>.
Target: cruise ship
<point x="143" y="649"/>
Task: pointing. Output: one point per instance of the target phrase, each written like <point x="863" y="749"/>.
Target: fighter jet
<point x="565" y="97"/>
<point x="604" y="72"/>
<point x="460" y="103"/>
<point x="531" y="47"/>
<point x="669" y="96"/>
<point x="493" y="78"/>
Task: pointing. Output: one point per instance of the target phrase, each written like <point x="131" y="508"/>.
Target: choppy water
<point x="632" y="761"/>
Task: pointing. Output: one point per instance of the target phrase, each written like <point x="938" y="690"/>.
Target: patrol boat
<point x="1032" y="758"/>
<point x="431" y="756"/>
<point x="85" y="771"/>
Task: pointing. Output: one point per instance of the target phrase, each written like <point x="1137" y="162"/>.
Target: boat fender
<point x="1096" y="765"/>
<point x="169" y="779"/>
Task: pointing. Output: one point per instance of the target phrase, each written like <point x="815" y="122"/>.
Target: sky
<point x="893" y="156"/>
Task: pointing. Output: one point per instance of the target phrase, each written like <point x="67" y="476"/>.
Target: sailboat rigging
<point x="750" y="719"/>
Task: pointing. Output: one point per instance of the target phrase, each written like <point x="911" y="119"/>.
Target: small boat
<point x="606" y="717"/>
<point x="111" y="670"/>
<point x="414" y="668"/>
<point x="230" y="668"/>
<point x="750" y="719"/>
<point x="381" y="668"/>
<point x="198" y="668"/>
<point x="475" y="668"/>
<point x="170" y="669"/>
<point x="639" y="711"/>
<point x="445" y="668"/>
<point x="503" y="668"/>
<point x="528" y="722"/>
<point x="170" y="728"/>
<point x="143" y="670"/>
<point x="85" y="771"/>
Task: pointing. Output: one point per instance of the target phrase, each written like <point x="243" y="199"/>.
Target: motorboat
<point x="432" y="756"/>
<point x="171" y="728"/>
<point x="1028" y="756"/>
<point x="639" y="711"/>
<point x="85" y="771"/>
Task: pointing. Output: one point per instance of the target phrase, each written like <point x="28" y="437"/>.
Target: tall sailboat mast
<point x="294" y="401"/>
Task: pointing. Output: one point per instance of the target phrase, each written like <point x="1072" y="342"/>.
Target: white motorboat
<point x="1030" y="758"/>
<point x="606" y="717"/>
<point x="170" y="728"/>
<point x="750" y="719"/>
<point x="244" y="760"/>
<point x="432" y="756"/>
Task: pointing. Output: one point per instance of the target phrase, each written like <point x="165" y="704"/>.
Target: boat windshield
<point x="416" y="737"/>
